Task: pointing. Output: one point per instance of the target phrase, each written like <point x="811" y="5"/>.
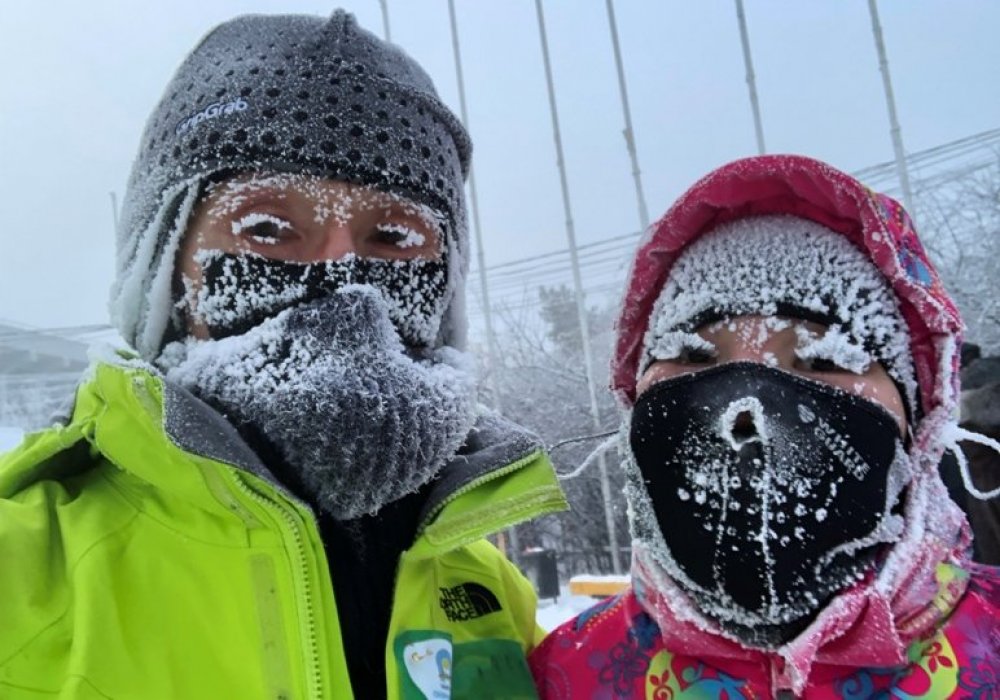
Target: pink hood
<point x="808" y="188"/>
<point x="880" y="617"/>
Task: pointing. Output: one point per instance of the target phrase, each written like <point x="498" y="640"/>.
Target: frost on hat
<point x="789" y="266"/>
<point x="286" y="93"/>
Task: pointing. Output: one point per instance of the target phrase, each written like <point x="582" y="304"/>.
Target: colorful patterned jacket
<point x="616" y="650"/>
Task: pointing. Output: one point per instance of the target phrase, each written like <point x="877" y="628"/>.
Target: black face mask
<point x="241" y="291"/>
<point x="770" y="490"/>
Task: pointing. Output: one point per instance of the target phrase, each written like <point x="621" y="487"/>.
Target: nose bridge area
<point x="743" y="421"/>
<point x="335" y="240"/>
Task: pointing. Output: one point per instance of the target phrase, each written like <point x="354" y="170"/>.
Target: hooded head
<point x="873" y="223"/>
<point x="293" y="249"/>
<point x="286" y="94"/>
<point x="788" y="236"/>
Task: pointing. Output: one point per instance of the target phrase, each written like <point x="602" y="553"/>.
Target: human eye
<point x="818" y="364"/>
<point x="404" y="237"/>
<point x="262" y="227"/>
<point x="696" y="355"/>
<point x="400" y="236"/>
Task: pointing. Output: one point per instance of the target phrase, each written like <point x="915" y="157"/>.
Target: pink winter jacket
<point x="926" y="622"/>
<point x="617" y="650"/>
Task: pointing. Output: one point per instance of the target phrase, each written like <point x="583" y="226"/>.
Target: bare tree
<point x="543" y="386"/>
<point x="960" y="218"/>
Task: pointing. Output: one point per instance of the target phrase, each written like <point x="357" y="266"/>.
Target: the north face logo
<point x="468" y="601"/>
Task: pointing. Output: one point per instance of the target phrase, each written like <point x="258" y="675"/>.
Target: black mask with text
<point x="241" y="291"/>
<point x="770" y="491"/>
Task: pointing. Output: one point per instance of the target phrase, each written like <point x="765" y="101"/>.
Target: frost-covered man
<point x="787" y="366"/>
<point x="283" y="492"/>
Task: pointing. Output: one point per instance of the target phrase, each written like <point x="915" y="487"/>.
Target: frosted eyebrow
<point x="671" y="345"/>
<point x="834" y="345"/>
<point x="250" y="220"/>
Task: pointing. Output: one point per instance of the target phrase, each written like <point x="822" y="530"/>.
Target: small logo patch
<point x="428" y="663"/>
<point x="216" y="109"/>
<point x="468" y="601"/>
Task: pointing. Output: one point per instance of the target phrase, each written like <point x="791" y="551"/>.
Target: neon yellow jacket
<point x="131" y="567"/>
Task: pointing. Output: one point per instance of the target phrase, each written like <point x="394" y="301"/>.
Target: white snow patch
<point x="552" y="613"/>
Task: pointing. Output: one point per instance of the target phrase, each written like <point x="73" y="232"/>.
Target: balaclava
<point x="286" y="93"/>
<point x="761" y="523"/>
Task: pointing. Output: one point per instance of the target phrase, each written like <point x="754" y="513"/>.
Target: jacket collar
<point x="499" y="477"/>
<point x="862" y="627"/>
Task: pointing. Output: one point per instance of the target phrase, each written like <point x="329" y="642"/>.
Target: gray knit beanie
<point x="286" y="93"/>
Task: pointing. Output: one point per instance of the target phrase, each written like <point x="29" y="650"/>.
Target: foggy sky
<point x="79" y="80"/>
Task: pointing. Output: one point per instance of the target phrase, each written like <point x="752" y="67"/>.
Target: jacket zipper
<point x="474" y="484"/>
<point x="303" y="592"/>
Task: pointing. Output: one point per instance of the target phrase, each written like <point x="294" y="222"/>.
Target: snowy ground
<point x="552" y="613"/>
<point x="9" y="437"/>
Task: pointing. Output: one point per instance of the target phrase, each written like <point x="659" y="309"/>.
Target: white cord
<point x="957" y="434"/>
<point x="591" y="458"/>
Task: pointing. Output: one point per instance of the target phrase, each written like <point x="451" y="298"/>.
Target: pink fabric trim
<point x="860" y="628"/>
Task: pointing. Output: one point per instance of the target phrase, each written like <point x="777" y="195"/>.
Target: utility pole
<point x="890" y="101"/>
<point x="114" y="210"/>
<point x="581" y="307"/>
<point x="385" y="19"/>
<point x="628" y="132"/>
<point x="491" y="340"/>
<point x="751" y="78"/>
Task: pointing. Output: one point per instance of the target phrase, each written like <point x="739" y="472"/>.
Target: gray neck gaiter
<point x="328" y="390"/>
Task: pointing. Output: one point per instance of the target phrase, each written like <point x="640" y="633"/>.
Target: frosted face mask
<point x="332" y="401"/>
<point x="770" y="491"/>
<point x="241" y="291"/>
<point x="261" y="243"/>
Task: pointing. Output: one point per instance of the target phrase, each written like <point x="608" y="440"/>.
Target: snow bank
<point x="551" y="613"/>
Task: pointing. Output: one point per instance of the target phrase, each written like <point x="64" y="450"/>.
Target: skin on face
<point x="777" y="342"/>
<point x="303" y="219"/>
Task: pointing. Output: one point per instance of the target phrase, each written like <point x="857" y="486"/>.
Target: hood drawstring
<point x="954" y="434"/>
<point x="597" y="452"/>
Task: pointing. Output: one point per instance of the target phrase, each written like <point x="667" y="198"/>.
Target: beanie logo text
<point x="216" y="109"/>
<point x="468" y="601"/>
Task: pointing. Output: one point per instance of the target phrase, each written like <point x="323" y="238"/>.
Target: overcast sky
<point x="79" y="80"/>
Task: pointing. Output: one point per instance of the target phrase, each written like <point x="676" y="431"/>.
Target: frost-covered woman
<point x="283" y="492"/>
<point x="787" y="363"/>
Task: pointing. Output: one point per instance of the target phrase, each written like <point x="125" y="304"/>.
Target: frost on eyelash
<point x="254" y="218"/>
<point x="335" y="207"/>
<point x="833" y="345"/>
<point x="750" y="266"/>
<point x="671" y="345"/>
<point x="410" y="238"/>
